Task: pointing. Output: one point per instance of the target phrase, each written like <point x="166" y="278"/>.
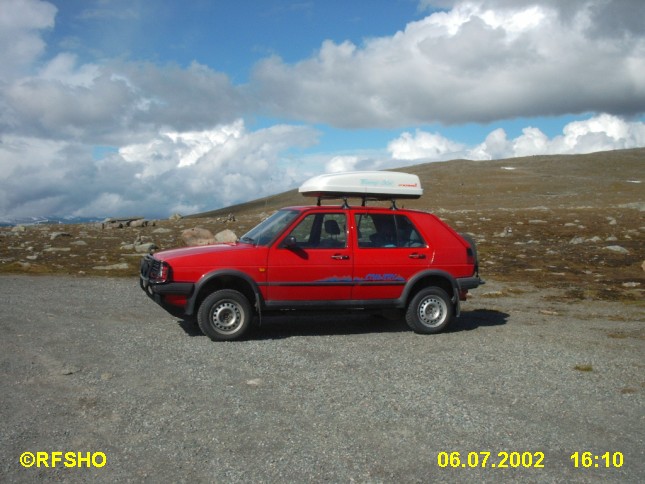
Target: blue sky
<point x="113" y="107"/>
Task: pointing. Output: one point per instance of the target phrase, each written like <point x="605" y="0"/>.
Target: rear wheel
<point x="225" y="315"/>
<point x="430" y="311"/>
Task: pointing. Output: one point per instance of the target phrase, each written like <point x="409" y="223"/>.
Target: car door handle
<point x="416" y="255"/>
<point x="340" y="257"/>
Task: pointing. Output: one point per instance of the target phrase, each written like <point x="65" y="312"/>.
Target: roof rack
<point x="366" y="185"/>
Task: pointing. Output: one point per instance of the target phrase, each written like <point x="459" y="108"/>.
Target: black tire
<point x="225" y="315"/>
<point x="430" y="311"/>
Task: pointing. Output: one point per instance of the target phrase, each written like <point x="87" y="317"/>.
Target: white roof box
<point x="373" y="185"/>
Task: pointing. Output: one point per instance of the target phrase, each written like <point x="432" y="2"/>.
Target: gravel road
<point x="92" y="365"/>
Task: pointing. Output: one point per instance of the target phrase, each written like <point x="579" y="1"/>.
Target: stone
<point x="174" y="217"/>
<point x="631" y="284"/>
<point x="113" y="267"/>
<point x="226" y="237"/>
<point x="145" y="247"/>
<point x="197" y="236"/>
<point x="617" y="248"/>
<point x="138" y="223"/>
<point x="57" y="235"/>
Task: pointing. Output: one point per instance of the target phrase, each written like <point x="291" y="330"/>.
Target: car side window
<point x="387" y="231"/>
<point x="407" y="233"/>
<point x="322" y="231"/>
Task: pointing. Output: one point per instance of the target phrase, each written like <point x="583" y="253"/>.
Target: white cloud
<point x="63" y="69"/>
<point x="478" y="62"/>
<point x="116" y="103"/>
<point x="21" y="23"/>
<point x="178" y="171"/>
<point x="423" y="145"/>
<point x="342" y="163"/>
<point x="599" y="133"/>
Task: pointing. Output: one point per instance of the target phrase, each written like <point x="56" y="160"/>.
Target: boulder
<point x="226" y="237"/>
<point x="617" y="248"/>
<point x="56" y="235"/>
<point x="138" y="223"/>
<point x="145" y="248"/>
<point x="197" y="236"/>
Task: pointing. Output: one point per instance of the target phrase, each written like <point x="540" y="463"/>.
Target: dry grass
<point x="584" y="367"/>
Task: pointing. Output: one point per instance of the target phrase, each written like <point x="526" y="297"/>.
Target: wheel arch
<point x="224" y="279"/>
<point x="433" y="278"/>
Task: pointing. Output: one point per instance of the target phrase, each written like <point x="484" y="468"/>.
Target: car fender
<point x="217" y="274"/>
<point x="434" y="273"/>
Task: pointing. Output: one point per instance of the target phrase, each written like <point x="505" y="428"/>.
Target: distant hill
<point x="47" y="220"/>
<point x="558" y="181"/>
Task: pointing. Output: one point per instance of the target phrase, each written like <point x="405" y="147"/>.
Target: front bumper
<point x="157" y="291"/>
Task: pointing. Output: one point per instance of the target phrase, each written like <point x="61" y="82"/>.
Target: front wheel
<point x="225" y="315"/>
<point x="430" y="311"/>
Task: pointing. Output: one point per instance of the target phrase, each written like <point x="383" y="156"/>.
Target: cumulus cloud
<point x="599" y="133"/>
<point x="423" y="145"/>
<point x="342" y="163"/>
<point x="182" y="172"/>
<point x="117" y="102"/>
<point x="21" y="26"/>
<point x="477" y="62"/>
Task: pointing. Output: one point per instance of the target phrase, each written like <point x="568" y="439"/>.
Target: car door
<point x="312" y="262"/>
<point x="388" y="251"/>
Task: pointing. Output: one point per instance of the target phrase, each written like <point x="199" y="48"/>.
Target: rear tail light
<point x="470" y="256"/>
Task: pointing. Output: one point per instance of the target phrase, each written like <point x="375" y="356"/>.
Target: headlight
<point x="160" y="272"/>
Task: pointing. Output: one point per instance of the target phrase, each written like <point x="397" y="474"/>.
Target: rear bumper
<point x="466" y="283"/>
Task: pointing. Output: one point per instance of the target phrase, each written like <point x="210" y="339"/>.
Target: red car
<point x="341" y="256"/>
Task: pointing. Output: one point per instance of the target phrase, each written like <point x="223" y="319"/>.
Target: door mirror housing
<point x="290" y="242"/>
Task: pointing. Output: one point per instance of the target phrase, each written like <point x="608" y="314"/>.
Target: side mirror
<point x="290" y="242"/>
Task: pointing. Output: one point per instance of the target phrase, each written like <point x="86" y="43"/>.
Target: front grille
<point x="150" y="267"/>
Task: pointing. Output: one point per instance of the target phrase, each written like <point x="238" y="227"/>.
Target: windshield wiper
<point x="248" y="240"/>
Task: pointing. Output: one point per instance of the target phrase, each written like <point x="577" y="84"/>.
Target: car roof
<point x="339" y="207"/>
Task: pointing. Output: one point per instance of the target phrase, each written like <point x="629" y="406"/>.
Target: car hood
<point x="203" y="250"/>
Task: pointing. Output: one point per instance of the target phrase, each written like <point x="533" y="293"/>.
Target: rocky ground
<point x="588" y="253"/>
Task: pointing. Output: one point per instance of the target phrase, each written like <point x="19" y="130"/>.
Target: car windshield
<point x="266" y="231"/>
